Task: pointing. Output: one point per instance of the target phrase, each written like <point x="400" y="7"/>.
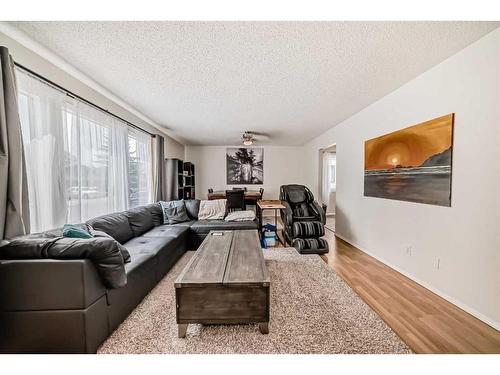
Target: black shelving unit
<point x="189" y="183"/>
<point x="180" y="179"/>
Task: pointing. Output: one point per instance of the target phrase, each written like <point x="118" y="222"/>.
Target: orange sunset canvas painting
<point x="412" y="164"/>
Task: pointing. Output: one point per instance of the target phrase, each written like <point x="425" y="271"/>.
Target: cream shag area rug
<point x="312" y="311"/>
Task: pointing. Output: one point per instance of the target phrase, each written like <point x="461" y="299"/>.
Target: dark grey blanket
<point x="104" y="253"/>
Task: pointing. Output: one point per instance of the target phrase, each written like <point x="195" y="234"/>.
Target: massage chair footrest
<point x="311" y="245"/>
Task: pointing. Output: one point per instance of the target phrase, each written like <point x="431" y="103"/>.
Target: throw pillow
<point x="240" y="216"/>
<point x="212" y="210"/>
<point x="174" y="212"/>
<point x="75" y="231"/>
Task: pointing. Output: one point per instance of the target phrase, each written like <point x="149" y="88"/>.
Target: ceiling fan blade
<point x="259" y="135"/>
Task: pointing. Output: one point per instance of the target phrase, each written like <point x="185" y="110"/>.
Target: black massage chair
<point x="303" y="220"/>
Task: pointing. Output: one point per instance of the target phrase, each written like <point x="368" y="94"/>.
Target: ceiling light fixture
<point x="247" y="138"/>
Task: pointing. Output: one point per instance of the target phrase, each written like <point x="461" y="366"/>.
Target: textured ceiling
<point x="210" y="81"/>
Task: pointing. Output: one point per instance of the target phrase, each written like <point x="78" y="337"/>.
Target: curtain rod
<point x="73" y="95"/>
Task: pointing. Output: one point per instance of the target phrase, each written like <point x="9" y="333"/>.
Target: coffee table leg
<point x="264" y="328"/>
<point x="182" y="329"/>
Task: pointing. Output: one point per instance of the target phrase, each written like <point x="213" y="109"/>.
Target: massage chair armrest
<point x="319" y="211"/>
<point x="287" y="214"/>
<point x="287" y="217"/>
<point x="48" y="284"/>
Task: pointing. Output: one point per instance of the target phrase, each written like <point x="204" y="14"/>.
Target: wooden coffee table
<point x="226" y="282"/>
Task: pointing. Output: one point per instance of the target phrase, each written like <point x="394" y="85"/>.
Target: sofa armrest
<point x="320" y="212"/>
<point x="48" y="284"/>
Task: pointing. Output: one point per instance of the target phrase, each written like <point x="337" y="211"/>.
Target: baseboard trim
<point x="492" y="323"/>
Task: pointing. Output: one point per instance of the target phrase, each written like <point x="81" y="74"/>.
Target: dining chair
<point x="235" y="200"/>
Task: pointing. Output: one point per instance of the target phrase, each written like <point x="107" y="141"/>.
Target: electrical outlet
<point x="438" y="263"/>
<point x="408" y="250"/>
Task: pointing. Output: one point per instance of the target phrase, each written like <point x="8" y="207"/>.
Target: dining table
<point x="250" y="195"/>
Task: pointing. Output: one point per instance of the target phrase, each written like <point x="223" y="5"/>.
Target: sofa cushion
<point x="167" y="249"/>
<point x="140" y="220"/>
<point x="174" y="212"/>
<point x="205" y="226"/>
<point x="53" y="233"/>
<point x="147" y="245"/>
<point x="141" y="278"/>
<point x="184" y="223"/>
<point x="116" y="225"/>
<point x="169" y="230"/>
<point x="103" y="252"/>
<point x="192" y="207"/>
<point x="156" y="213"/>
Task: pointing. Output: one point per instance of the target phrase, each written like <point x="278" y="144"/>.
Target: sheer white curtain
<point x="81" y="162"/>
<point x="329" y="176"/>
<point x="140" y="168"/>
<point x="100" y="177"/>
<point x="45" y="134"/>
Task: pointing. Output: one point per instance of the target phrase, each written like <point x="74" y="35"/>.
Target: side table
<point x="269" y="204"/>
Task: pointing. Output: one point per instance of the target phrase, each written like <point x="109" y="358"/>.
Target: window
<point x="81" y="162"/>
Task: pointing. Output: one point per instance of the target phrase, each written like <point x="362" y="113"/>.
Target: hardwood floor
<point x="425" y="322"/>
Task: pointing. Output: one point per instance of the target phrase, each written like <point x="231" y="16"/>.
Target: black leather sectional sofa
<point x="63" y="306"/>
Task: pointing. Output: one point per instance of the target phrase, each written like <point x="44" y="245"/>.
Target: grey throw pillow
<point x="174" y="212"/>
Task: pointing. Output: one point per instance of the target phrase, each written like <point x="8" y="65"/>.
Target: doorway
<point x="328" y="173"/>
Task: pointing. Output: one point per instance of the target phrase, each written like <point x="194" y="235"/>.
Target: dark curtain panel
<point x="160" y="185"/>
<point x="14" y="207"/>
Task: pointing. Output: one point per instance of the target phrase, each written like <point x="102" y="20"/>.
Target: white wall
<point x="282" y="165"/>
<point x="466" y="237"/>
<point x="174" y="149"/>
